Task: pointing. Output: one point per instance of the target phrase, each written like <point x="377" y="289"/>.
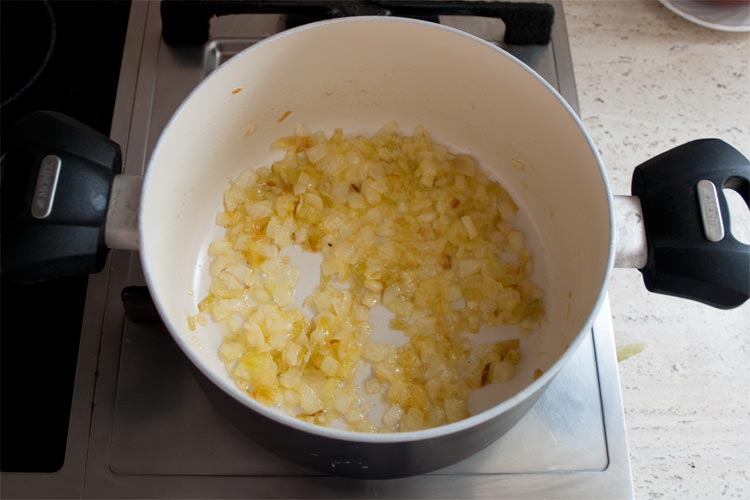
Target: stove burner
<point x="26" y="50"/>
<point x="187" y="22"/>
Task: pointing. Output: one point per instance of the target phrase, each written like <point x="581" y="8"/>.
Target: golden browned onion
<point x="400" y="222"/>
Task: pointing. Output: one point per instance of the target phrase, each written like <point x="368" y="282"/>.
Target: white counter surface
<point x="647" y="81"/>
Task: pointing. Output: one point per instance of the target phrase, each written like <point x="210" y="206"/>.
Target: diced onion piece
<point x="412" y="420"/>
<point x="316" y="153"/>
<point x="230" y="351"/>
<point x="471" y="229"/>
<point x="291" y="354"/>
<point x="329" y="366"/>
<point x="501" y="371"/>
<point x="342" y="402"/>
<point x="309" y="401"/>
<point x="373" y="351"/>
<point x="392" y="415"/>
<point x="455" y="410"/>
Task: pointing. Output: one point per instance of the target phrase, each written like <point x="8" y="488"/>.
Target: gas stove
<point x="140" y="426"/>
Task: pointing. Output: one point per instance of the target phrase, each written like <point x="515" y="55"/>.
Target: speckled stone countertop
<point x="647" y="81"/>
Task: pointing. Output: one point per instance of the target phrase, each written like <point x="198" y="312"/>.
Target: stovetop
<point x="140" y="426"/>
<point x="42" y="68"/>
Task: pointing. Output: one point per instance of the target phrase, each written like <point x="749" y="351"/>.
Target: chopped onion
<point x="400" y="221"/>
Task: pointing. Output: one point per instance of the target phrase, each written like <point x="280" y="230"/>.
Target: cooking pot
<point x="63" y="204"/>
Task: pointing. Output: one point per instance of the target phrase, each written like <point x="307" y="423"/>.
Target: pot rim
<point x="226" y="385"/>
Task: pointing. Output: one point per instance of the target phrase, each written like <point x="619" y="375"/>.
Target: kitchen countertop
<point x="647" y="81"/>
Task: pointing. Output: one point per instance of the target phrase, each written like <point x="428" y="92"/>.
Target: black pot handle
<point x="691" y="250"/>
<point x="56" y="178"/>
<point x="186" y="22"/>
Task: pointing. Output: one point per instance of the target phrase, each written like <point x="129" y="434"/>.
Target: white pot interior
<point x="358" y="75"/>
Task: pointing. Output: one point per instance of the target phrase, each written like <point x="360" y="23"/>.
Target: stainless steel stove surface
<point x="140" y="425"/>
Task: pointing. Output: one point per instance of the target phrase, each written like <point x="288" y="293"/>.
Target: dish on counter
<point x="722" y="15"/>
